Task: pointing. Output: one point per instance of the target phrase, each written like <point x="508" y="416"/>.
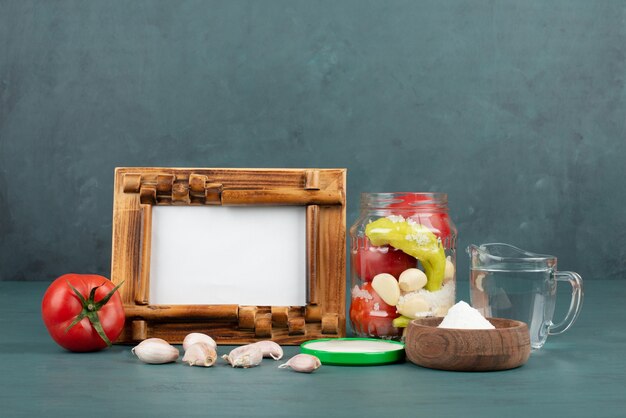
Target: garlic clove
<point x="302" y="363"/>
<point x="245" y="356"/>
<point x="413" y="305"/>
<point x="411" y="280"/>
<point x="155" y="351"/>
<point x="270" y="349"/>
<point x="198" y="337"/>
<point x="200" y="354"/>
<point x="449" y="270"/>
<point x="479" y="282"/>
<point x="387" y="288"/>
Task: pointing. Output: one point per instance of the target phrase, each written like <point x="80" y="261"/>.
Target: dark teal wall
<point x="516" y="109"/>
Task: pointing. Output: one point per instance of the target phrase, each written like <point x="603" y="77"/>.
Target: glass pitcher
<point x="507" y="282"/>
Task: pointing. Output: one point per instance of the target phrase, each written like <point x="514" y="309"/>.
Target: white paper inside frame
<point x="228" y="255"/>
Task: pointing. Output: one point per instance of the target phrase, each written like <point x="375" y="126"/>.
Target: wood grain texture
<point x="296" y="325"/>
<point x="142" y="291"/>
<point x="281" y="197"/>
<point x="332" y="262"/>
<point x="131" y="183"/>
<point x="125" y="251"/>
<point x="322" y="191"/>
<point x="506" y="347"/>
<point x="263" y="326"/>
<point x="312" y="180"/>
<point x="280" y="316"/>
<point x="247" y="317"/>
<point x="330" y="324"/>
<point x="229" y="334"/>
<point x="182" y="312"/>
<point x="148" y="195"/>
<point x="313" y="313"/>
<point x="139" y="330"/>
<point x="312" y="241"/>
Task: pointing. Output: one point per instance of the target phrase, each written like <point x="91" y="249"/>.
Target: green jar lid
<point x="354" y="351"/>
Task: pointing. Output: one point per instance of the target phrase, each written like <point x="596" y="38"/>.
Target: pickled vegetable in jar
<point x="403" y="262"/>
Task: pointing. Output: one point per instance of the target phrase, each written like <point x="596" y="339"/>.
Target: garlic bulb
<point x="200" y="354"/>
<point x="303" y="363"/>
<point x="245" y="356"/>
<point x="155" y="351"/>
<point x="197" y="337"/>
<point x="270" y="349"/>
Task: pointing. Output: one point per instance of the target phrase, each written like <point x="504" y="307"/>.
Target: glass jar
<point x="403" y="262"/>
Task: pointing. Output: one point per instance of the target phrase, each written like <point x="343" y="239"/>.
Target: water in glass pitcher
<point x="525" y="295"/>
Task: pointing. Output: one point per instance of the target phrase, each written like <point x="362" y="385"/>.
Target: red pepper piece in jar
<point x="369" y="261"/>
<point x="370" y="315"/>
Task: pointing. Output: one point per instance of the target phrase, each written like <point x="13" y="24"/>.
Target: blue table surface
<point x="581" y="373"/>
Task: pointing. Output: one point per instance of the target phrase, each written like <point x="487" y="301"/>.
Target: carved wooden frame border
<point x="322" y="191"/>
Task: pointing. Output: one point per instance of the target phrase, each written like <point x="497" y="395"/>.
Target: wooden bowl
<point x="506" y="347"/>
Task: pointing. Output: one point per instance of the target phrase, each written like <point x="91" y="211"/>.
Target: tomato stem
<point x="95" y="322"/>
<point x="91" y="308"/>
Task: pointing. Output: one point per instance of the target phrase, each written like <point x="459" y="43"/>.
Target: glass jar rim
<point x="404" y="200"/>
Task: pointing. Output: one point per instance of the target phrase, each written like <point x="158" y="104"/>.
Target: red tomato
<point x="370" y="261"/>
<point x="370" y="315"/>
<point x="88" y="322"/>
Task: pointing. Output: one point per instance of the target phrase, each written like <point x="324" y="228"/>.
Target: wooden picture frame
<point x="321" y="191"/>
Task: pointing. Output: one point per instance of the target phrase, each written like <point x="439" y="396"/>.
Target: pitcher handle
<point x="576" y="282"/>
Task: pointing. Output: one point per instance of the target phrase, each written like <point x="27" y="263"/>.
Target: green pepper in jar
<point x="415" y="240"/>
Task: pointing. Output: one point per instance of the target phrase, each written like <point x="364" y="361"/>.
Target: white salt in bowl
<point x="505" y="347"/>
